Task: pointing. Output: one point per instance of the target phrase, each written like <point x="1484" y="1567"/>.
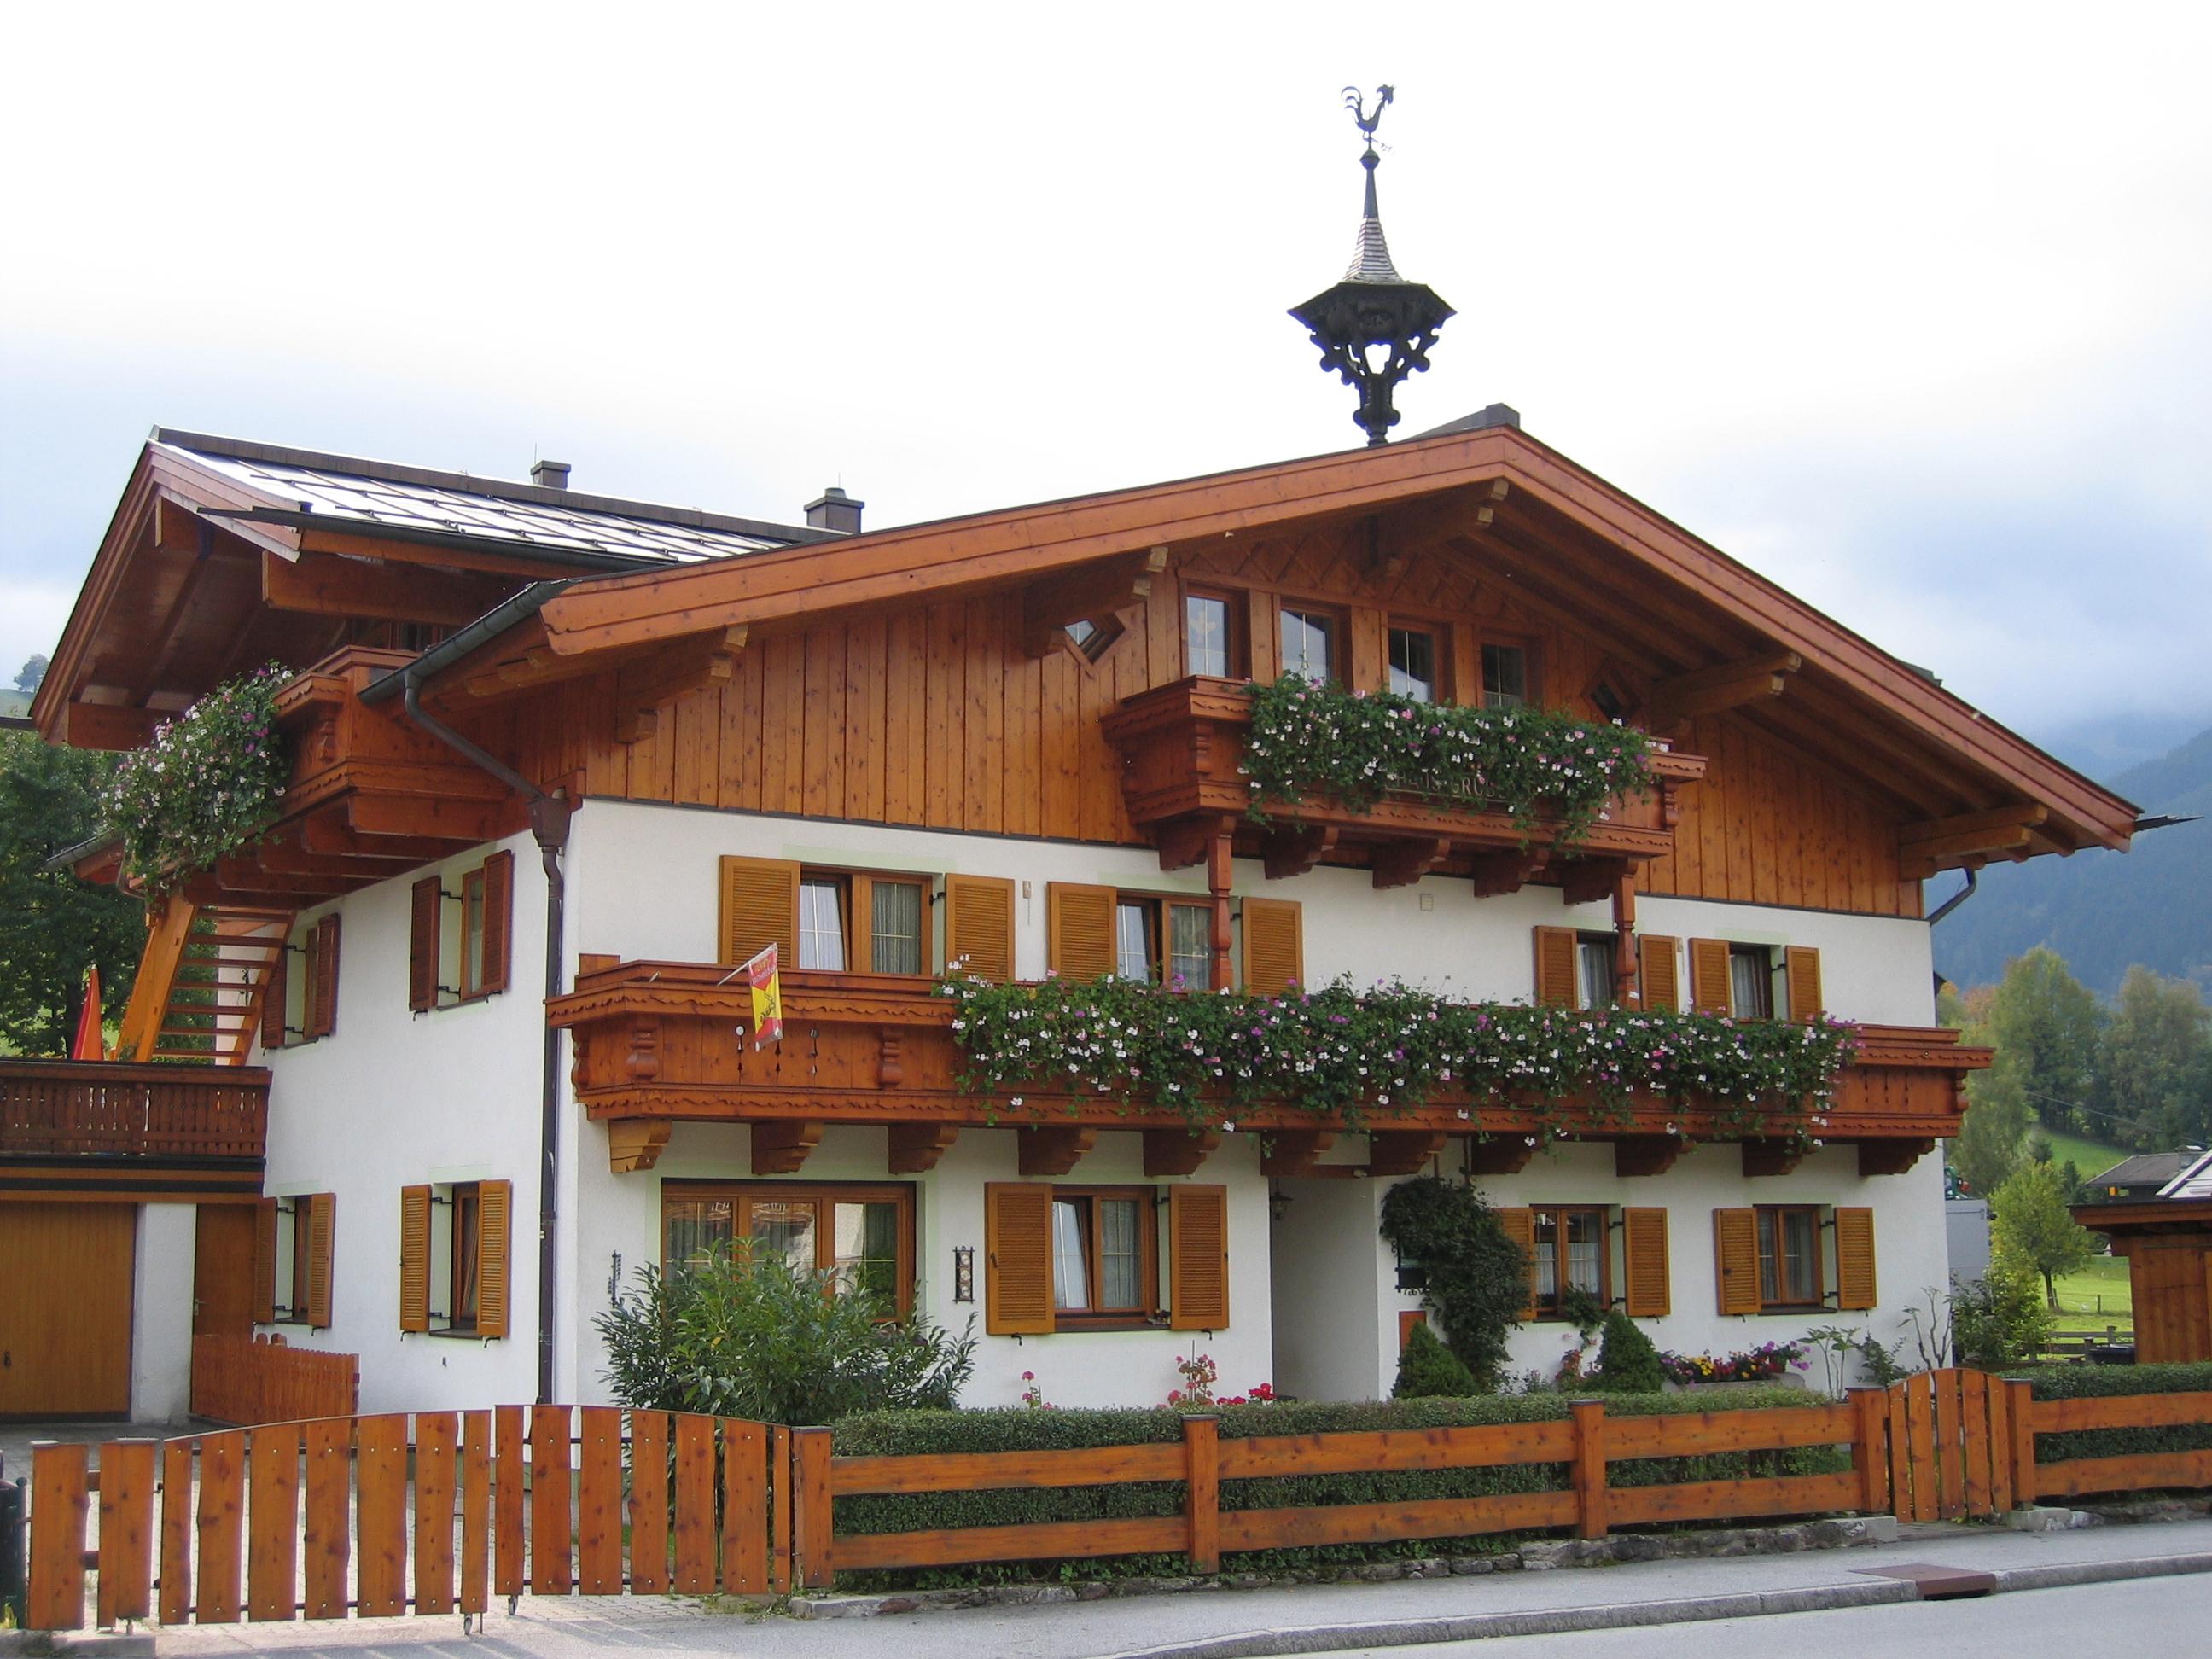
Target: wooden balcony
<point x="655" y="1041"/>
<point x="1182" y="746"/>
<point x="107" y="1128"/>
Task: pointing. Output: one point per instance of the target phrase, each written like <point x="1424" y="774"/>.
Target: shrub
<point x="2098" y="1382"/>
<point x="1428" y="1368"/>
<point x="1015" y="1428"/>
<point x="1628" y="1363"/>
<point x="740" y="1337"/>
<point x="2003" y="1320"/>
<point x="1478" y="1277"/>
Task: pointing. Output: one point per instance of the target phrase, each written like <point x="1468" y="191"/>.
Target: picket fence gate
<point x="441" y="1512"/>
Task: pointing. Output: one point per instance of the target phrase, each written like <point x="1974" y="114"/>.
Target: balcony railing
<point x="664" y="1040"/>
<point x="1182" y="746"/>
<point x="70" y="1109"/>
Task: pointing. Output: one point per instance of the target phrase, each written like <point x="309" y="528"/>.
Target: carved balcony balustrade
<point x="655" y="1043"/>
<point x="1182" y="746"/>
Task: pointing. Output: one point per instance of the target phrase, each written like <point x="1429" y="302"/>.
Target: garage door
<point x="66" y="1274"/>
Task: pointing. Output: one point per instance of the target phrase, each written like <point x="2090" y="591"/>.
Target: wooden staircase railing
<point x="201" y="981"/>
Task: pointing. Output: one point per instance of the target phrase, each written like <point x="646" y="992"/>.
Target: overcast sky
<point x="1910" y="308"/>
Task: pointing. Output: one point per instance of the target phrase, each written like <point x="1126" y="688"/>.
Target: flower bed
<point x="1311" y="739"/>
<point x="1762" y="1363"/>
<point x="209" y="783"/>
<point x="1343" y="1054"/>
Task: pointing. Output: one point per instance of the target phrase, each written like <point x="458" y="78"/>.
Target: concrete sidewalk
<point x="1239" y="1625"/>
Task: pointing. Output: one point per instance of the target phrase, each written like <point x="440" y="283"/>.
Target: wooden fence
<point x="240" y="1379"/>
<point x="441" y="1511"/>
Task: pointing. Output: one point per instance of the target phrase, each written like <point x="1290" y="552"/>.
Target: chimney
<point x="549" y="474"/>
<point x="835" y="510"/>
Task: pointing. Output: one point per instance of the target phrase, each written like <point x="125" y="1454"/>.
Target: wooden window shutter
<point x="1644" y="1250"/>
<point x="1198" y="1258"/>
<point x="265" y="1261"/>
<point x="1709" y="976"/>
<point x="1017" y="1259"/>
<point x="413" y="1258"/>
<point x="1274" y="945"/>
<point x="1555" y="968"/>
<point x="494" y="1212"/>
<point x="1079" y="920"/>
<point x="275" y="988"/>
<point x="1801" y="964"/>
<point x="422" y="919"/>
<point x="1855" y="1284"/>
<point x="1659" y="968"/>
<point x="979" y="926"/>
<point x="323" y="1017"/>
<point x="498" y="922"/>
<point x="321" y="1218"/>
<point x="1735" y="1260"/>
<point x="1521" y="1227"/>
<point x="759" y="907"/>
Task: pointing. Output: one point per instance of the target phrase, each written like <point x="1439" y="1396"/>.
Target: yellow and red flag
<point x="767" y="997"/>
<point x="91" y="1041"/>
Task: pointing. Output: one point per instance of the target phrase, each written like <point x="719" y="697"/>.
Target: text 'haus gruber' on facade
<point x="1156" y="878"/>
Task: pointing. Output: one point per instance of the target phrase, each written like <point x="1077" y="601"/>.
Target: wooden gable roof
<point x="1681" y="617"/>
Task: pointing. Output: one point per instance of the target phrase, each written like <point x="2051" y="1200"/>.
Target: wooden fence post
<point x="811" y="1454"/>
<point x="1589" y="1467"/>
<point x="126" y="1530"/>
<point x="60" y="1498"/>
<point x="780" y="1504"/>
<point x="2022" y="1450"/>
<point x="1869" y="1454"/>
<point x="1201" y="1445"/>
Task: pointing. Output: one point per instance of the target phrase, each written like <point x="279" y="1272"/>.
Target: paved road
<point x="2145" y="1619"/>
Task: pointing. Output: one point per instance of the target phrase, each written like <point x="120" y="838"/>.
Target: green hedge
<point x="1020" y="1429"/>
<point x="2098" y="1382"/>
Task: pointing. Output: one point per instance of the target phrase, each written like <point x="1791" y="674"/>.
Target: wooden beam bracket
<point x="1287" y="852"/>
<point x="1401" y="1152"/>
<point x="1177" y="1152"/>
<point x="635" y="1144"/>
<point x="1890" y="1158"/>
<point x="781" y="1144"/>
<point x="1500" y="1155"/>
<point x="1725" y="685"/>
<point x="1645" y="1155"/>
<point x="1052" y="1149"/>
<point x="1288" y="1153"/>
<point x="1496" y="873"/>
<point x="1403" y="863"/>
<point x="916" y="1147"/>
<point x="1772" y="1157"/>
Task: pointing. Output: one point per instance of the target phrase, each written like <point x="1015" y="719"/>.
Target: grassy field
<point x="2097" y="1297"/>
<point x="2090" y="1156"/>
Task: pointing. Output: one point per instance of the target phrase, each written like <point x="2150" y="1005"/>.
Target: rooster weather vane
<point x="1374" y="328"/>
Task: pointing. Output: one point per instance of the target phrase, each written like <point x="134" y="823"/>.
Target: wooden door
<point x="2172" y="1278"/>
<point x="65" y="1306"/>
<point x="222" y="1271"/>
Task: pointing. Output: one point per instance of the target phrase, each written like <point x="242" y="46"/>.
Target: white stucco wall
<point x="395" y="1099"/>
<point x="162" y="1313"/>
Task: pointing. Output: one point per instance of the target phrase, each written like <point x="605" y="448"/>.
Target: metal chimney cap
<point x="549" y="474"/>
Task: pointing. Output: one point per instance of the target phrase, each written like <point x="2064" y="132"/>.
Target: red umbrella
<point x="91" y="1043"/>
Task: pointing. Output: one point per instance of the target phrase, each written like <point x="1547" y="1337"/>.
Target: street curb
<point x="1622" y="1615"/>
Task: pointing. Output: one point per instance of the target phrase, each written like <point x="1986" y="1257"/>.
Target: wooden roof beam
<point x="2005" y="832"/>
<point x="328" y="584"/>
<point x="1725" y="685"/>
<point x="107" y="726"/>
<point x="1085" y="593"/>
<point x="646" y="685"/>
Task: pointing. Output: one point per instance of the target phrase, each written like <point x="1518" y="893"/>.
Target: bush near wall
<point x="2096" y="1381"/>
<point x="1019" y="1429"/>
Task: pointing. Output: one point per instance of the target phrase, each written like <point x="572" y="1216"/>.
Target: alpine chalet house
<point x="560" y="765"/>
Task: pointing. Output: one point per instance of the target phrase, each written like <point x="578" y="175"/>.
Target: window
<point x="864" y="1234"/>
<point x="1789" y="1256"/>
<point x="1209" y="636"/>
<point x="1505" y="676"/>
<point x="1751" y="982"/>
<point x="890" y="912"/>
<point x="1414" y="664"/>
<point x="1593" y="960"/>
<point x="453" y="1239"/>
<point x="1309" y="644"/>
<point x="300" y="999"/>
<point x="1102" y="1245"/>
<point x="1570" y="1254"/>
<point x="292" y="1244"/>
<point x="460" y="954"/>
<point x="1094" y="639"/>
<point x="1141" y="923"/>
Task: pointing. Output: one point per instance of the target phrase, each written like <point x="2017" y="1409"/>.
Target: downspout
<point x="1973" y="881"/>
<point x="549" y="823"/>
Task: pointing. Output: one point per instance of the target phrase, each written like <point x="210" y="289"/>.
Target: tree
<point x="1992" y="1139"/>
<point x="34" y="672"/>
<point x="2029" y="1223"/>
<point x="2051" y="1024"/>
<point x="1627" y="1362"/>
<point x="1428" y="1368"/>
<point x="52" y="925"/>
<point x="2154" y="1075"/>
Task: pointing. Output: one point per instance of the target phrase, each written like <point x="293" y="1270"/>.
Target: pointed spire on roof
<point x="1370" y="259"/>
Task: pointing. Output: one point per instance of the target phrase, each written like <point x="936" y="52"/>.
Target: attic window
<point x="1093" y="638"/>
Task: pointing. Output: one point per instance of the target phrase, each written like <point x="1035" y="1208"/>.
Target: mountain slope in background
<point x="2102" y="911"/>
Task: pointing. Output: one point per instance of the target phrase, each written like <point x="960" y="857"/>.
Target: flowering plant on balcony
<point x="1346" y="1054"/>
<point x="1769" y="1360"/>
<point x="1534" y="763"/>
<point x="208" y="784"/>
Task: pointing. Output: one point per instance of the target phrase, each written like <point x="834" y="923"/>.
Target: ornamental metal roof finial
<point x="1373" y="308"/>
